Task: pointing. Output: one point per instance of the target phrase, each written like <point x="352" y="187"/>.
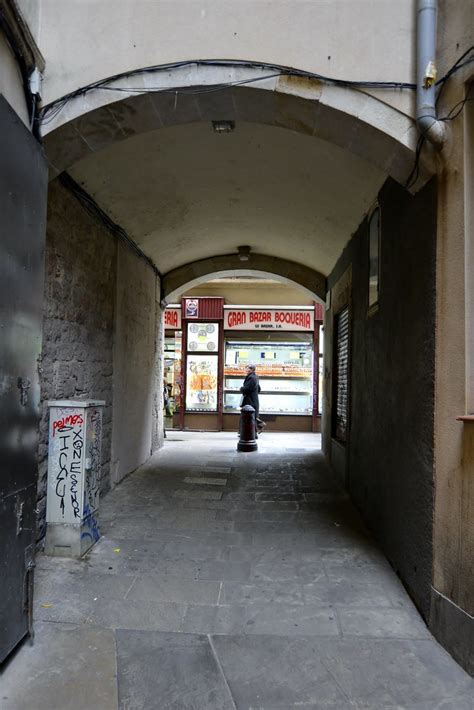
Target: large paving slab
<point x="230" y="580"/>
<point x="158" y="670"/>
<point x="270" y="672"/>
<point x="69" y="667"/>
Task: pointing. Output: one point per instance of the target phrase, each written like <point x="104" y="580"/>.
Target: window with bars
<point x="341" y="375"/>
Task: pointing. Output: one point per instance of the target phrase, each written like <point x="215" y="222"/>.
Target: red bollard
<point x="247" y="441"/>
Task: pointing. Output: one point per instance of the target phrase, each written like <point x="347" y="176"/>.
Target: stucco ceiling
<point x="185" y="193"/>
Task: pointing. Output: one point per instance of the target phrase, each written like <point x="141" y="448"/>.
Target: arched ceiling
<point x="185" y="193"/>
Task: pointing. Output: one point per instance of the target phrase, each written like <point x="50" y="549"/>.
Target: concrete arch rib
<point x="354" y="120"/>
<point x="177" y="281"/>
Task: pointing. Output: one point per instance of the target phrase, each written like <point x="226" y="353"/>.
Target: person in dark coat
<point x="250" y="389"/>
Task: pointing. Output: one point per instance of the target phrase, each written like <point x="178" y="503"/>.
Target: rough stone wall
<point x="389" y="456"/>
<point x="77" y="361"/>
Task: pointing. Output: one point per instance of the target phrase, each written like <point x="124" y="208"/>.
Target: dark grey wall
<point x="390" y="452"/>
<point x="77" y="356"/>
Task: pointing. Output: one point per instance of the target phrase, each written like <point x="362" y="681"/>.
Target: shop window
<point x="284" y="367"/>
<point x="172" y="370"/>
<point x="202" y="367"/>
<point x="374" y="257"/>
<point x="201" y="383"/>
<point x="341" y="375"/>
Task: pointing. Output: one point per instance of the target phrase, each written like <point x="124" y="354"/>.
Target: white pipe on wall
<point x="426" y="118"/>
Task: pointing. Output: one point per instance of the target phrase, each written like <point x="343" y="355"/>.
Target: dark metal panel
<point x="23" y="195"/>
<point x="17" y="521"/>
<point x="341" y="375"/>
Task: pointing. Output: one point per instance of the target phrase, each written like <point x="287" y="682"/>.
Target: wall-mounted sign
<point x="191" y="308"/>
<point x="268" y="319"/>
<point x="173" y="319"/>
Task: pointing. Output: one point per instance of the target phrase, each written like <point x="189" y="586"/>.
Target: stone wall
<point x="77" y="357"/>
<point x="388" y="459"/>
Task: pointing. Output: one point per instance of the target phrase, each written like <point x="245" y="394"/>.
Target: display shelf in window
<point x="284" y="369"/>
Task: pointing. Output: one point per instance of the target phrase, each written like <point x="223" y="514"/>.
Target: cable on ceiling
<point x="98" y="214"/>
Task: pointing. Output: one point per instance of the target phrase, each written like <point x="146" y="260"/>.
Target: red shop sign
<point x="268" y="319"/>
<point x="173" y="318"/>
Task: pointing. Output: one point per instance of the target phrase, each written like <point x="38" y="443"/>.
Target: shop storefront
<point x="207" y="350"/>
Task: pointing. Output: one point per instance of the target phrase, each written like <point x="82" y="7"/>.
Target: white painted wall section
<point x="134" y="358"/>
<point x="11" y="84"/>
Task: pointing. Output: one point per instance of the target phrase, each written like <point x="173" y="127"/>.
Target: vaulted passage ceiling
<point x="186" y="193"/>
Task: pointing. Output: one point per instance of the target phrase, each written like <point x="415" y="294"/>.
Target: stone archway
<point x="175" y="282"/>
<point x="81" y="124"/>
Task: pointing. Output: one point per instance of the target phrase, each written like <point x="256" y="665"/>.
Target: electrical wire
<point x="98" y="214"/>
<point x="452" y="114"/>
<point x="457" y="109"/>
<point x="415" y="173"/>
<point x="456" y="66"/>
<point x="51" y="110"/>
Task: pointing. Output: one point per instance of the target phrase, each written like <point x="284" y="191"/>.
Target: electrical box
<point x="74" y="466"/>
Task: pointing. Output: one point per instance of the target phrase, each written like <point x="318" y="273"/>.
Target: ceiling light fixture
<point x="223" y="126"/>
<point x="243" y="253"/>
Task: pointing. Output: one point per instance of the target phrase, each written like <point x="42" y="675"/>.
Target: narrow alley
<point x="230" y="580"/>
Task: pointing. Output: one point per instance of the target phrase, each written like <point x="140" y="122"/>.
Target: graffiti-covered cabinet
<point x="74" y="464"/>
<point x="23" y="191"/>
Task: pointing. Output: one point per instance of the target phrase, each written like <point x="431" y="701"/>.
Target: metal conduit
<point x="426" y="118"/>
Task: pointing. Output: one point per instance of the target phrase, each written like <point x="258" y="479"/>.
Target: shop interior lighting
<point x="243" y="253"/>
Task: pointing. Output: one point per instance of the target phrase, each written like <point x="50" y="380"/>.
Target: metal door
<point x="23" y="195"/>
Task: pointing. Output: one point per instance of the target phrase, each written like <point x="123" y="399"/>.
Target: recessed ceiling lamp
<point x="223" y="126"/>
<point x="243" y="253"/>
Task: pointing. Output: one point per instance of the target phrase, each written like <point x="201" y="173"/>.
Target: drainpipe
<point x="426" y="119"/>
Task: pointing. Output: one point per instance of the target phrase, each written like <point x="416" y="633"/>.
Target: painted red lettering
<point x="171" y="319"/>
<point x="68" y="421"/>
<point x="236" y="318"/>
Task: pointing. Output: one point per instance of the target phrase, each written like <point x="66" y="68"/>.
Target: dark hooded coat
<point x="250" y="390"/>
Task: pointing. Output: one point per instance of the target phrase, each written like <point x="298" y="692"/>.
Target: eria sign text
<point x="173" y="318"/>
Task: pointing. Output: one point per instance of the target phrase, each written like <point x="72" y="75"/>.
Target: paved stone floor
<point x="230" y="580"/>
